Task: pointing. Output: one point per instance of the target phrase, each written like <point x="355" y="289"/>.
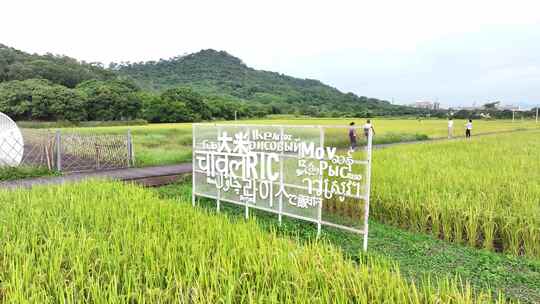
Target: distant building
<point x="427" y="105"/>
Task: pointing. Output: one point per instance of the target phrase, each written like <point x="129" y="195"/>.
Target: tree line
<point x="98" y="100"/>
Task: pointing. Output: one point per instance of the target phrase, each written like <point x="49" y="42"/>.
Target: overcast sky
<point x="457" y="52"/>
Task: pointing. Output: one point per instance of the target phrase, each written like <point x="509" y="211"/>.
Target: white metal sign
<point x="11" y="142"/>
<point x="304" y="172"/>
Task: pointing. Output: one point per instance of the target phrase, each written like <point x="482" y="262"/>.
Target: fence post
<point x="129" y="149"/>
<point x="319" y="210"/>
<point x="98" y="156"/>
<point x="58" y="151"/>
<point x="193" y="176"/>
<point x="368" y="189"/>
<point x="281" y="180"/>
<point x="218" y="201"/>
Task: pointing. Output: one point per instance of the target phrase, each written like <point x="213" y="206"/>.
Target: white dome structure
<point x="11" y="142"/>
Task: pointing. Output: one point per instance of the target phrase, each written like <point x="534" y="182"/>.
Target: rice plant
<point x="484" y="192"/>
<point x="104" y="242"/>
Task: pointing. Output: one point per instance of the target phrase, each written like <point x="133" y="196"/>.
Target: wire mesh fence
<point x="38" y="148"/>
<point x="70" y="151"/>
<point x="93" y="152"/>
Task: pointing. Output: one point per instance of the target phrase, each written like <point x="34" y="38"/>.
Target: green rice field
<point x="159" y="144"/>
<point x="483" y="192"/>
<point x="103" y="242"/>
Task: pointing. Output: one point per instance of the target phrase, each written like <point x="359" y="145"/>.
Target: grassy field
<point x="483" y="192"/>
<point x="159" y="144"/>
<point x="109" y="243"/>
<point x="99" y="242"/>
<point x="480" y="192"/>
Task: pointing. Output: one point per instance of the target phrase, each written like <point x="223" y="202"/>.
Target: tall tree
<point x="114" y="100"/>
<point x="38" y="99"/>
<point x="193" y="101"/>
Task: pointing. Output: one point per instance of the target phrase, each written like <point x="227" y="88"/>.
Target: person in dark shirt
<point x="352" y="136"/>
<point x="468" y="128"/>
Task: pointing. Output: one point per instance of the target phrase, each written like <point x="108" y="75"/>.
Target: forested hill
<point x="62" y="70"/>
<point x="218" y="73"/>
<point x="206" y="85"/>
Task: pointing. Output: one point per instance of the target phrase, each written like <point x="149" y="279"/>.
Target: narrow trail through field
<point x="437" y="139"/>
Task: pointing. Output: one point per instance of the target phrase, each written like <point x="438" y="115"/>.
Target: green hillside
<point x="217" y="73"/>
<point x="207" y="85"/>
<point x="63" y="70"/>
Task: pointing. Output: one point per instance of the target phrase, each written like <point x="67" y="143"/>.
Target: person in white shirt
<point x="368" y="126"/>
<point x="450" y="127"/>
<point x="468" y="128"/>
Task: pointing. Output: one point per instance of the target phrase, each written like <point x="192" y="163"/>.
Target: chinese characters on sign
<point x="282" y="169"/>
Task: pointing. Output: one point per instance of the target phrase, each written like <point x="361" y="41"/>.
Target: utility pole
<point x="536" y="113"/>
<point x="235" y="115"/>
<point x="513" y="111"/>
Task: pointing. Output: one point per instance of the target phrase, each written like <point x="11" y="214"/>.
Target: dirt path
<point x="152" y="176"/>
<point x="382" y="146"/>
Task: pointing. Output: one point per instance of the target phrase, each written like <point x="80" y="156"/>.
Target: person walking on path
<point x="368" y="126"/>
<point x="468" y="128"/>
<point x="450" y="128"/>
<point x="352" y="136"/>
